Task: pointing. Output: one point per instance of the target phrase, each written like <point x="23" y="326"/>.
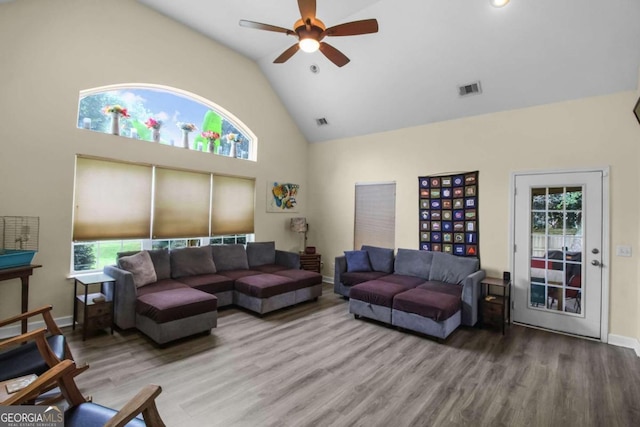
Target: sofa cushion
<point x="264" y="285"/>
<point x="442" y="287"/>
<point x="238" y="274"/>
<point x="261" y="253"/>
<point x="160" y="259"/>
<point x="451" y="268"/>
<point x="141" y="267"/>
<point x="230" y="257"/>
<point x="402" y="279"/>
<point x="425" y="303"/>
<point x="377" y="292"/>
<point x="191" y="262"/>
<point x="381" y="259"/>
<point x="351" y="279"/>
<point x="211" y="283"/>
<point x="413" y="262"/>
<point x="270" y="268"/>
<point x="175" y="304"/>
<point x="357" y="261"/>
<point x="161" y="285"/>
<point x="302" y="278"/>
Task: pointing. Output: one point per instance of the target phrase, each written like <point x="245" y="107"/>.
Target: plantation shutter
<point x="233" y="205"/>
<point x="375" y="215"/>
<point x="181" y="204"/>
<point x="112" y="200"/>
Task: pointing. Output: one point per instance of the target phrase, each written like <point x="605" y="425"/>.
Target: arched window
<point x="166" y="116"/>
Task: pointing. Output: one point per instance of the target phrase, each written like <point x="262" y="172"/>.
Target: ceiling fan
<point x="310" y="31"/>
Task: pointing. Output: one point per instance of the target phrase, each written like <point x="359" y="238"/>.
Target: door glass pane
<point x="556" y="249"/>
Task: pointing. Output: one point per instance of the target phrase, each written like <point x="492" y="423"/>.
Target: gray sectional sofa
<point x="428" y="292"/>
<point x="173" y="294"/>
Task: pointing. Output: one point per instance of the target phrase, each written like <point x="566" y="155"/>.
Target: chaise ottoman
<point x="374" y="299"/>
<point x="430" y="312"/>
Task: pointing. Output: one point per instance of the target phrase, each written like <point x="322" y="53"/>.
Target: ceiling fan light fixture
<point x="498" y="3"/>
<point x="309" y="45"/>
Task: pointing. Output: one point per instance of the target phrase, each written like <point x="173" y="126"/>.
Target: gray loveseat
<point x="173" y="294"/>
<point x="428" y="292"/>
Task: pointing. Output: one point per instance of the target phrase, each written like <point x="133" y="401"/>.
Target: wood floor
<point x="315" y="365"/>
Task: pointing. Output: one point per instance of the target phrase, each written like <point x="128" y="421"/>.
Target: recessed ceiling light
<point x="498" y="3"/>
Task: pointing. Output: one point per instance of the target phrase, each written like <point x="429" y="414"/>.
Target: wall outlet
<point x="623" y="250"/>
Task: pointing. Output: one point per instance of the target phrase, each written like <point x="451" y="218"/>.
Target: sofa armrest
<point x="340" y="266"/>
<point x="124" y="311"/>
<point x="288" y="259"/>
<point x="470" y="297"/>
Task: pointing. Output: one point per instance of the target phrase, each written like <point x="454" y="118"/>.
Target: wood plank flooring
<point x="315" y="365"/>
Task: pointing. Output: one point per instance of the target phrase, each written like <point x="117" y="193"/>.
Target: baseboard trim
<point x="627" y="342"/>
<point x="14" y="330"/>
<point x="327" y="279"/>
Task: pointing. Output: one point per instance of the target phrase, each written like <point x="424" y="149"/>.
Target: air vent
<point x="470" y="89"/>
<point x="322" y="121"/>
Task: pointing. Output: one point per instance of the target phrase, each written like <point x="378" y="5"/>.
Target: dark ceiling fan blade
<point x="334" y="54"/>
<point x="366" y="26"/>
<point x="307" y="9"/>
<point x="267" y="27"/>
<point x="287" y="54"/>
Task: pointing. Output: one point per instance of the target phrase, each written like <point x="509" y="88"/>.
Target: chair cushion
<point x="264" y="285"/>
<point x="141" y="267"/>
<point x="381" y="258"/>
<point x="451" y="268"/>
<point x="434" y="305"/>
<point x="377" y="292"/>
<point x="261" y="253"/>
<point x="174" y="304"/>
<point x="211" y="283"/>
<point x="230" y="257"/>
<point x="357" y="261"/>
<point x="350" y="279"/>
<point x="25" y="359"/>
<point x="191" y="262"/>
<point x="93" y="415"/>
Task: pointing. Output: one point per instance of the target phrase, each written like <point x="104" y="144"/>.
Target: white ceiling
<point x="527" y="53"/>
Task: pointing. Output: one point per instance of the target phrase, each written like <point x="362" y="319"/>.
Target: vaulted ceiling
<point x="524" y="54"/>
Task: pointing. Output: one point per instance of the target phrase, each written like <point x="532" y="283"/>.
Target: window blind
<point x="112" y="200"/>
<point x="181" y="203"/>
<point x="233" y="205"/>
<point x="375" y="215"/>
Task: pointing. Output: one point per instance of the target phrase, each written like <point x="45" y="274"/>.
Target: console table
<point x="23" y="272"/>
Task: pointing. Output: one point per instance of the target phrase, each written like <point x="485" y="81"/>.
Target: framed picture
<point x="282" y="197"/>
<point x="636" y="110"/>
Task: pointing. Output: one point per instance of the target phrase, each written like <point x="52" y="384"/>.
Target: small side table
<point x="496" y="301"/>
<point x="22" y="273"/>
<point x="97" y="311"/>
<point x="311" y="262"/>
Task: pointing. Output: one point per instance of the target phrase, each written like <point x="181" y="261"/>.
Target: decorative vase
<point x="185" y="139"/>
<point x="115" y="123"/>
<point x="155" y="135"/>
<point x="232" y="149"/>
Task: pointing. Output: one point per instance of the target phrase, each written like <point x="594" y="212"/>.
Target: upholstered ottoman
<point x="265" y="292"/>
<point x="176" y="313"/>
<point x="374" y="299"/>
<point x="427" y="311"/>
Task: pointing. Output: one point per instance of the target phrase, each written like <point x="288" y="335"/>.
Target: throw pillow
<point x="159" y="258"/>
<point x="357" y="261"/>
<point x="261" y="253"/>
<point x="191" y="262"/>
<point x="451" y="268"/>
<point x="141" y="267"/>
<point x="381" y="258"/>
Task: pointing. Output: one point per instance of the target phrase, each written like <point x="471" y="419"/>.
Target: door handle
<point x="595" y="262"/>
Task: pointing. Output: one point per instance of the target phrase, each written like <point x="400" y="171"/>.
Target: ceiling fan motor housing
<point x="313" y="30"/>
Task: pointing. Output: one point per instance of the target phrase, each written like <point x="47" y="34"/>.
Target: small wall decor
<point x="636" y="110"/>
<point x="282" y="197"/>
<point x="449" y="213"/>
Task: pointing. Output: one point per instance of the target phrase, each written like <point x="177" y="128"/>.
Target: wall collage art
<point x="449" y="213"/>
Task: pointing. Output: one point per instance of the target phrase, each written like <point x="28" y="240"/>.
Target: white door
<point x="557" y="259"/>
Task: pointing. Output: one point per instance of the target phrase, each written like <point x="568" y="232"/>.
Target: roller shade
<point x="375" y="215"/>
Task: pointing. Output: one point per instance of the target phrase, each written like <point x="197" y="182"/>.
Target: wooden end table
<point x="97" y="310"/>
<point x="311" y="262"/>
<point x="496" y="301"/>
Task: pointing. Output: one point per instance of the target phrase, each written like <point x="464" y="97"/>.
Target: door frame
<point x="606" y="257"/>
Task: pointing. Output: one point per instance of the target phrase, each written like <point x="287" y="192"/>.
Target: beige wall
<point x="594" y="132"/>
<point x="50" y="50"/>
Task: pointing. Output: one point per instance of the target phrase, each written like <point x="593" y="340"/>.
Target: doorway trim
<point x="606" y="257"/>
